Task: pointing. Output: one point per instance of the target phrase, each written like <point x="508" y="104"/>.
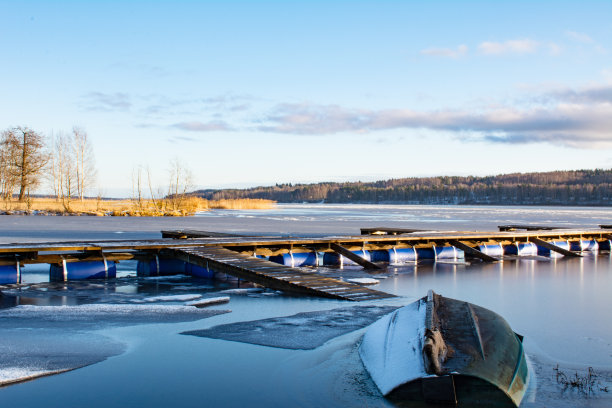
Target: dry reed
<point x="183" y="206"/>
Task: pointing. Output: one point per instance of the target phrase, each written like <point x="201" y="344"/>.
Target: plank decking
<point x="273" y="275"/>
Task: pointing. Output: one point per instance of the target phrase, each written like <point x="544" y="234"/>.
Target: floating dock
<point x="250" y="257"/>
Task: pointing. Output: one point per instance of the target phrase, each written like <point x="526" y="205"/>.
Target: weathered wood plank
<point x="514" y="227"/>
<point x="472" y="251"/>
<point x="552" y="247"/>
<point x="273" y="275"/>
<point x="388" y="231"/>
<point x="353" y="257"/>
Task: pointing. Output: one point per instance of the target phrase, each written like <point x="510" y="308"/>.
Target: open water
<point x="126" y="334"/>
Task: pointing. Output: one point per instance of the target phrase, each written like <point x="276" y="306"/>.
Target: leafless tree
<point x="137" y="197"/>
<point x="28" y="157"/>
<point x="8" y="179"/>
<point x="180" y="182"/>
<point x="84" y="160"/>
<point x="63" y="169"/>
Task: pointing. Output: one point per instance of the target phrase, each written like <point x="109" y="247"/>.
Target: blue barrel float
<point x="491" y="249"/>
<point x="297" y="259"/>
<point x="521" y="249"/>
<point x="542" y="251"/>
<point x="440" y="253"/>
<point x="605" y="245"/>
<point x="395" y="255"/>
<point x="584" y="245"/>
<point x="198" y="271"/>
<point x="10" y="274"/>
<point x="160" y="267"/>
<point x="334" y="259"/>
<point x="67" y="271"/>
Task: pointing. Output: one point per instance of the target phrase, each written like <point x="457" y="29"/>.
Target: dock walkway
<point x="273" y="275"/>
<point x="240" y="255"/>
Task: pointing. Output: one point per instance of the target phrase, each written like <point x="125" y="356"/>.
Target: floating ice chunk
<point x="242" y="291"/>
<point x="99" y="315"/>
<point x="193" y="287"/>
<point x="172" y="298"/>
<point x="209" y="301"/>
<point x="10" y="375"/>
<point x="303" y="331"/>
<point x="391" y="348"/>
<point x="363" y="281"/>
<point x="165" y="277"/>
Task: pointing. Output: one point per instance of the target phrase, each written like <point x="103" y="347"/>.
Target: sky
<point x="246" y="93"/>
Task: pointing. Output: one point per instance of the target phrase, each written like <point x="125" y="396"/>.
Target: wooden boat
<point x="441" y="351"/>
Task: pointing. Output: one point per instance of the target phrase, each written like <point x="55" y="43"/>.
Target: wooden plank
<point x="388" y="231"/>
<point x="514" y="227"/>
<point x="185" y="234"/>
<point x="472" y="251"/>
<point x="353" y="257"/>
<point x="552" y="247"/>
<point x="273" y="275"/>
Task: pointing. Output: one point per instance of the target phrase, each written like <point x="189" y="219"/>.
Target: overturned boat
<point x="442" y="351"/>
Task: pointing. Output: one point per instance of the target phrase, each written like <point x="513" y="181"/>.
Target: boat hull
<point x="442" y="351"/>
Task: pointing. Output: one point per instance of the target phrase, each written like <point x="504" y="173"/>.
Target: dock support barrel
<point x="10" y="274"/>
<point x="67" y="271"/>
<point x="158" y="266"/>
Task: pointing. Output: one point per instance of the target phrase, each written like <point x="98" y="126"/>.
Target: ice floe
<point x="363" y="281"/>
<point x="172" y="298"/>
<point x="209" y="301"/>
<point x="44" y="340"/>
<point x="303" y="331"/>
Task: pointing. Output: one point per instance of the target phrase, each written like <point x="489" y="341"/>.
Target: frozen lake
<point x="131" y="328"/>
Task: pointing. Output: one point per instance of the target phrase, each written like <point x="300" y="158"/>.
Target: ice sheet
<point x="172" y="298"/>
<point x="43" y="340"/>
<point x="301" y="331"/>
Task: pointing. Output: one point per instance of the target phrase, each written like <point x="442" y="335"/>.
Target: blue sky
<point x="251" y="93"/>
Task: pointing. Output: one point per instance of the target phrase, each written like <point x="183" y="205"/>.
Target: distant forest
<point x="580" y="187"/>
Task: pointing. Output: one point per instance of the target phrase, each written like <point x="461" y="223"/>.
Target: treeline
<point x="580" y="187"/>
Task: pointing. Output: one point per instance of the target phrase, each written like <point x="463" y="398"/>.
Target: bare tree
<point x="63" y="169"/>
<point x="28" y="159"/>
<point x="180" y="182"/>
<point x="85" y="170"/>
<point x="8" y="179"/>
<point x="137" y="197"/>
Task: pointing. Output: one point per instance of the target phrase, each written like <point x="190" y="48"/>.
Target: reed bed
<point x="182" y="206"/>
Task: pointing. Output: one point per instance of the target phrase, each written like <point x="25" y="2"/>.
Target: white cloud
<point x="554" y="49"/>
<point x="577" y="118"/>
<point x="197" y="126"/>
<point x="460" y="51"/>
<point x="522" y="46"/>
<point x="107" y="102"/>
<point x="579" y="37"/>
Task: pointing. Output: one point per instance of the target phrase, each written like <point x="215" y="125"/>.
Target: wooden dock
<point x="237" y="255"/>
<point x="273" y="275"/>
